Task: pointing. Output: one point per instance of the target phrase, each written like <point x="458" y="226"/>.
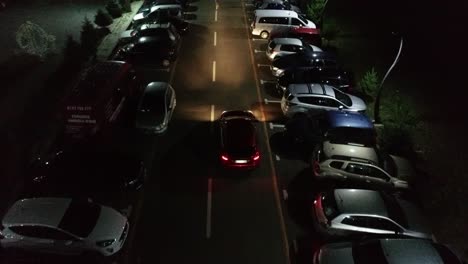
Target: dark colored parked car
<point x="303" y="60"/>
<point x="334" y="76"/>
<point x="155" y="49"/>
<point x="239" y="143"/>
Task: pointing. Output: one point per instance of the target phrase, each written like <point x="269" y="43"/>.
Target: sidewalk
<point x="30" y="127"/>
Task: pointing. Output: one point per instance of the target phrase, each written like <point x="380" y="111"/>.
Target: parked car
<point x="302" y="60"/>
<point x="152" y="13"/>
<point x="85" y="169"/>
<point x="334" y="76"/>
<point x="239" y="143"/>
<point x="279" y="5"/>
<point x="335" y="126"/>
<point x="266" y="21"/>
<point x="157" y="49"/>
<point x="156" y="107"/>
<point x="301" y="98"/>
<point x="284" y="46"/>
<point x="386" y="250"/>
<point x="63" y="226"/>
<point x="306" y="34"/>
<point x="164" y="30"/>
<point x="346" y="212"/>
<point x="354" y="161"/>
<point x="149" y="3"/>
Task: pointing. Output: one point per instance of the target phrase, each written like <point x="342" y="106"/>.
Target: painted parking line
<point x="216" y="14"/>
<point x="285" y="194"/>
<point x="208" y="208"/>
<point x="214" y="71"/>
<point x="214" y="39"/>
<point x="271" y="101"/>
<point x="256" y="39"/>
<point x="262" y="82"/>
<point x="258" y="51"/>
<point x="263" y="65"/>
<point x="273" y="125"/>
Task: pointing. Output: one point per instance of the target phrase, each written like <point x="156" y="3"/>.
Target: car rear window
<point x="330" y="208"/>
<point x="342" y="97"/>
<point x="368" y="253"/>
<point x="80" y="218"/>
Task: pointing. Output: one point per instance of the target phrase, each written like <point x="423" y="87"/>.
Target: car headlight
<point x="105" y="243"/>
<point x="275" y="68"/>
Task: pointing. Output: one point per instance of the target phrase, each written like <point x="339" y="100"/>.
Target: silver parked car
<point x="388" y="250"/>
<point x="345" y="212"/>
<point x="300" y="98"/>
<point x="63" y="226"/>
<point x="284" y="46"/>
<point x="156" y="107"/>
<point x="360" y="163"/>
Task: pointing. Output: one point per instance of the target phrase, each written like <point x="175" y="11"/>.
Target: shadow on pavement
<point x="271" y="89"/>
<point x="190" y="16"/>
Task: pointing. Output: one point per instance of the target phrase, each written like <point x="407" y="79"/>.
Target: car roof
<point x="239" y="132"/>
<point x="38" y="211"/>
<point x="359" y="201"/>
<point x="165" y="6"/>
<point x="350" y="150"/>
<point x="156" y="88"/>
<point x="288" y="41"/>
<point x="410" y="251"/>
<point x="311" y="88"/>
<point x="336" y="118"/>
<point x="274" y="13"/>
<point x="154" y="25"/>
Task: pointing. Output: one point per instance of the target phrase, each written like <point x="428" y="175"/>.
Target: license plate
<point x="241" y="161"/>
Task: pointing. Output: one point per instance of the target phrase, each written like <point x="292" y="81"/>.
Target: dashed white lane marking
<point x="273" y="125"/>
<point x="277" y="158"/>
<point x="208" y="207"/>
<point x="272" y="101"/>
<point x="262" y="82"/>
<point x="214" y="39"/>
<point x="216" y="14"/>
<point x="212" y="113"/>
<point x="255" y="39"/>
<point x="214" y="71"/>
<point x="258" y="51"/>
<point x="263" y="65"/>
<point x="285" y="194"/>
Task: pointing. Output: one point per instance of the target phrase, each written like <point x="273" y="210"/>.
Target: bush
<point x="125" y="4"/>
<point x="114" y="9"/>
<point x="314" y="11"/>
<point x="89" y="38"/>
<point x="102" y="18"/>
<point x="72" y="52"/>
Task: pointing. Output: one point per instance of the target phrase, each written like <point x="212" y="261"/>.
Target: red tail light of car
<point x="256" y="156"/>
<point x="224" y="157"/>
<point x="316" y="167"/>
<point x="318" y="208"/>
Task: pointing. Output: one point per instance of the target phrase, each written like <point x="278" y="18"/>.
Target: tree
<point x="32" y="39"/>
<point x="102" y="18"/>
<point x="369" y="83"/>
<point x="89" y="38"/>
<point x="314" y="11"/>
<point x="114" y="9"/>
<point x="72" y="52"/>
<point x="126" y="6"/>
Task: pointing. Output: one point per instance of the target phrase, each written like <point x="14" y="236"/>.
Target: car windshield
<point x="394" y="210"/>
<point x="368" y="253"/>
<point x="330" y="208"/>
<point x="302" y="18"/>
<point x="345" y="135"/>
<point x="153" y="103"/>
<point x="342" y="97"/>
<point x="87" y="213"/>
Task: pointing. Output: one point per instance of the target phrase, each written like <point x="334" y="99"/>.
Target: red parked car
<point x="239" y="143"/>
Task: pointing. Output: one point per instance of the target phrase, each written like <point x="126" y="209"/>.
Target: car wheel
<point x="264" y="35"/>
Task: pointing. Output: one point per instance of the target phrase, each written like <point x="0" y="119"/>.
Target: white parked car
<point x="152" y="13"/>
<point x="63" y="226"/>
<point x="284" y="46"/>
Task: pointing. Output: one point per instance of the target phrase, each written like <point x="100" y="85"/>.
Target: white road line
<point x="214" y="71"/>
<point x="272" y="101"/>
<point x="262" y="82"/>
<point x="255" y="39"/>
<point x="285" y="194"/>
<point x="258" y="51"/>
<point x="273" y="125"/>
<point x="216" y="14"/>
<point x="212" y="113"/>
<point x="277" y="158"/>
<point x="263" y="65"/>
<point x="214" y="39"/>
<point x="208" y="207"/>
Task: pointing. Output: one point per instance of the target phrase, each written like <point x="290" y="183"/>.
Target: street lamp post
<point x="379" y="93"/>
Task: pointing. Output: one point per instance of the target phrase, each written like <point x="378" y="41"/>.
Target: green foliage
<point x="126" y="6"/>
<point x="314" y="10"/>
<point x="89" y="38"/>
<point x="398" y="111"/>
<point x="72" y="52"/>
<point x="330" y="33"/>
<point x="369" y="83"/>
<point x="102" y="18"/>
<point x="114" y="9"/>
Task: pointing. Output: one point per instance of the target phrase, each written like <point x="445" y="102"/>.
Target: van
<point x="266" y="20"/>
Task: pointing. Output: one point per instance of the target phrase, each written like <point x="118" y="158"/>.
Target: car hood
<point x="138" y="16"/>
<point x="110" y="225"/>
<point x="311" y="24"/>
<point x="357" y="103"/>
<point x="404" y="168"/>
<point x="336" y="253"/>
<point x="126" y="34"/>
